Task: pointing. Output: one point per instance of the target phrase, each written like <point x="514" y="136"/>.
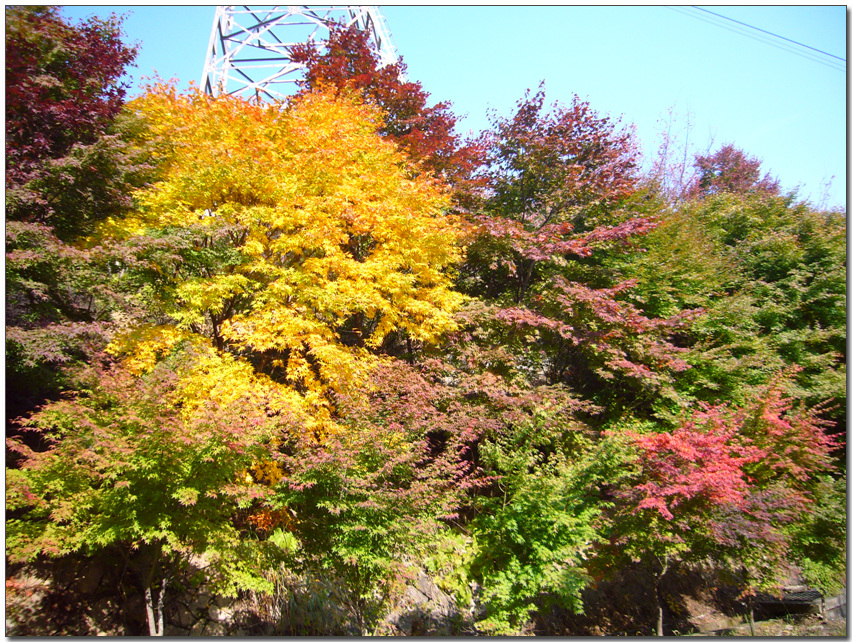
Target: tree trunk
<point x="749" y="603"/>
<point x="149" y="609"/>
<point x="155" y="625"/>
<point x="658" y="593"/>
<point x="160" y="604"/>
<point x="751" y="616"/>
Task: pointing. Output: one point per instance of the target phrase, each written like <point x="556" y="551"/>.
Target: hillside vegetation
<point x="312" y="355"/>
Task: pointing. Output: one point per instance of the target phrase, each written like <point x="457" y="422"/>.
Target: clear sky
<point x="781" y="102"/>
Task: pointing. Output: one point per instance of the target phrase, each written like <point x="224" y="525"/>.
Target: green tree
<point x="370" y="502"/>
<point x="536" y="523"/>
<point x="769" y="273"/>
<point x="127" y="470"/>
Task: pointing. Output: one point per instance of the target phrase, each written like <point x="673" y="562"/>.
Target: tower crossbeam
<point x="249" y="49"/>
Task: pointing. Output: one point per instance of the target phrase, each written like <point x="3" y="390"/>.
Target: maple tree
<point x="302" y="246"/>
<point x="69" y="164"/>
<point x="127" y="468"/>
<point x="63" y="85"/>
<point x="727" y="485"/>
<point x="566" y="165"/>
<point x="661" y="514"/>
<point x="730" y="170"/>
<point x="552" y="176"/>
<point x="560" y="181"/>
<point x="535" y="524"/>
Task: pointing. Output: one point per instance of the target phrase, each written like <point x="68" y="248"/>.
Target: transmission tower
<point x="249" y="50"/>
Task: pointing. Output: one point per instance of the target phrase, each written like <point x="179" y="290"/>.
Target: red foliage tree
<point x="698" y="466"/>
<point x="425" y="133"/>
<point x="731" y="170"/>
<point x="68" y="165"/>
<point x="552" y="177"/>
<point x="725" y="485"/>
<point x="558" y="181"/>
<point x="733" y="458"/>
<point x="63" y="85"/>
<point x="548" y="167"/>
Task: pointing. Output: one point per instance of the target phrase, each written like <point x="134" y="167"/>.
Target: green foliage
<point x="819" y="541"/>
<point x="535" y="525"/>
<point x="448" y="562"/>
<point x="123" y="469"/>
<point x="366" y="504"/>
<point x="770" y="275"/>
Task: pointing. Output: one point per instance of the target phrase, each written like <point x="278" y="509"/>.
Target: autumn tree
<point x="129" y="470"/>
<point x="301" y="245"/>
<point x="425" y="133"/>
<point x="661" y="513"/>
<point x="280" y="252"/>
<point x="63" y="86"/>
<point x="552" y="176"/>
<point x="558" y="166"/>
<point x="558" y="184"/>
<point x="731" y="170"/>
<point x="729" y="486"/>
<point x="69" y="164"/>
<point x="370" y="502"/>
<point x="796" y="451"/>
<point x="283" y="250"/>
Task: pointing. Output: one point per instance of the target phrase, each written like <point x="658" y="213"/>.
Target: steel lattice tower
<point x="249" y="50"/>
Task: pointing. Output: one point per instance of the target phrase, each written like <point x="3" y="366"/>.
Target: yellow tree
<point x="299" y="244"/>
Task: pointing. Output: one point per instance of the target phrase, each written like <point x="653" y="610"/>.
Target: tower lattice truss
<point x="249" y="50"/>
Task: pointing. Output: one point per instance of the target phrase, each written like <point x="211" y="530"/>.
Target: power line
<point x="770" y="33"/>
<point x="763" y="39"/>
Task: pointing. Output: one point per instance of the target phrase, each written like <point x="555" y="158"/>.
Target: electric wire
<point x="762" y="39"/>
<point x="778" y="45"/>
<point x="784" y="47"/>
<point x="769" y="32"/>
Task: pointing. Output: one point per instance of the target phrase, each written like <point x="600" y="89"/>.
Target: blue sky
<point x="635" y="62"/>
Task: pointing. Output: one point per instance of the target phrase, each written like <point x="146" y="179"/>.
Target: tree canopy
<point x="328" y="339"/>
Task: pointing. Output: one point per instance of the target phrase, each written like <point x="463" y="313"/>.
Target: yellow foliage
<point x="340" y="246"/>
<point x="267" y="472"/>
<point x="144" y="345"/>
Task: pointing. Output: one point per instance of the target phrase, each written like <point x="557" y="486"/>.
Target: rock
<point x="206" y="628"/>
<point x="90" y="579"/>
<point x="415" y="596"/>
<point x="220" y="614"/>
<point x="835" y="607"/>
<point x="424" y="610"/>
<point x="184" y="618"/>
